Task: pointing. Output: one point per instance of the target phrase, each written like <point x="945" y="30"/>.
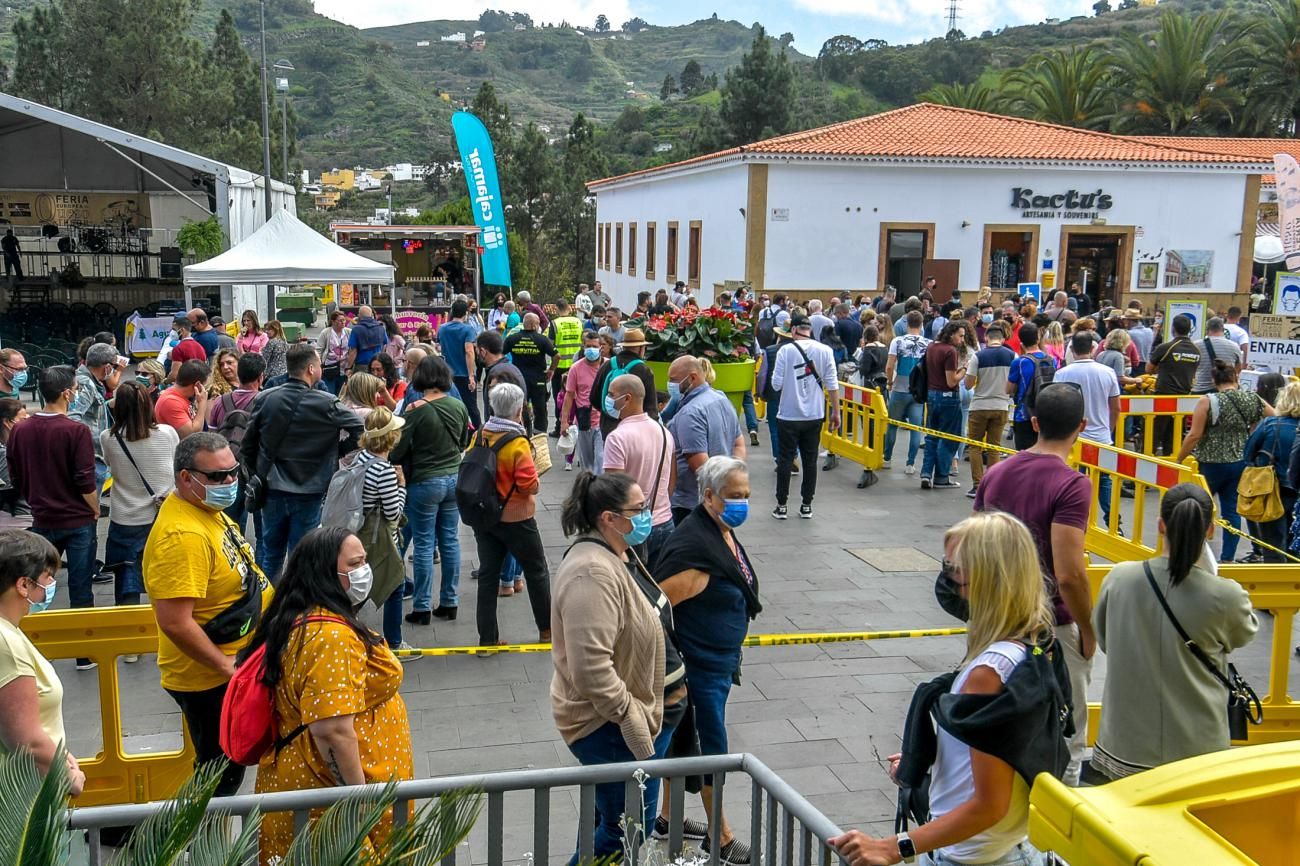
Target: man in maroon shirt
<point x="52" y="465"/>
<point x="1038" y="486"/>
<point x="188" y="349"/>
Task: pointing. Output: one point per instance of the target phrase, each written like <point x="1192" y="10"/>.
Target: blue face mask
<point x="641" y="526"/>
<point x="674" y="391"/>
<point x="219" y="497"/>
<point x="987" y="318"/>
<point x="611" y="406"/>
<point x="591" y="353"/>
<point x="50" y="592"/>
<point x="19" y="379"/>
<point x="735" y="511"/>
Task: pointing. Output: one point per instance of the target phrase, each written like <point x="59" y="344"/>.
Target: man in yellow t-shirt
<point x="206" y="590"/>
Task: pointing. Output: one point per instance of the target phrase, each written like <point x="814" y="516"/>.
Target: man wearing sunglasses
<point x="206" y="591"/>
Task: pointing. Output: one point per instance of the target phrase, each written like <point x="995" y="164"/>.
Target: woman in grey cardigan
<point x="1160" y="703"/>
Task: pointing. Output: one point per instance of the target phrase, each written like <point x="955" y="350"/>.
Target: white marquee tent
<point x="286" y="252"/>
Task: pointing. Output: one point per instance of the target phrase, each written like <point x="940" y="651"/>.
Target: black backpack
<point x="918" y="383"/>
<point x="1044" y="373"/>
<point x="765" y="333"/>
<point x="234" y="424"/>
<point x="766" y="391"/>
<point x="476" y="484"/>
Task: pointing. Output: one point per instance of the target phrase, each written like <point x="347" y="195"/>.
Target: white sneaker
<point x="568" y="467"/>
<point x="910" y="470"/>
<point x="406" y="647"/>
<point x="886" y="465"/>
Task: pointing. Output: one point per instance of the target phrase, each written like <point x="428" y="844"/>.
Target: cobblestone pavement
<point x="822" y="716"/>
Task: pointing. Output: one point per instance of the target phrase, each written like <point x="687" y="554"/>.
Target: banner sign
<point x="145" y="336"/>
<point x="63" y="208"/>
<point x="1194" y="310"/>
<point x="1275" y="327"/>
<point x="1288" y="206"/>
<point x="1277" y="356"/>
<point x="410" y="321"/>
<point x="480" y="165"/>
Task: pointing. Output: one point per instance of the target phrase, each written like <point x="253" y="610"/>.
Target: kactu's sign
<point x="1071" y="204"/>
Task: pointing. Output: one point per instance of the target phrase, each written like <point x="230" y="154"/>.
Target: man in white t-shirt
<point x="818" y="319"/>
<point x="905" y="352"/>
<point x="804" y="373"/>
<point x="1100" y="403"/>
<point x="1235" y="332"/>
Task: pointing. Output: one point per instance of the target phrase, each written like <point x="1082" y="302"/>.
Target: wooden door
<point x="945" y="273"/>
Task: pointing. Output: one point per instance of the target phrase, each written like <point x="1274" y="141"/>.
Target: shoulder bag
<point x="1259" y="493"/>
<point x="147" y="486"/>
<point x="1243" y="704"/>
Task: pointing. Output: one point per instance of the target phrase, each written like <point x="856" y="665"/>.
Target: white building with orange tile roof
<point x="975" y="199"/>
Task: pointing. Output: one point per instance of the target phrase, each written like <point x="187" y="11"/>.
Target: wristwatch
<point x="906" y="849"/>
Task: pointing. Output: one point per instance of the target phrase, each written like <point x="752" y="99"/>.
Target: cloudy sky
<point x="811" y="21"/>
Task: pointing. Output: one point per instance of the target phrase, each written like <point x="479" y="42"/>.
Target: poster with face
<point x="1194" y="310"/>
<point x="1286" y="294"/>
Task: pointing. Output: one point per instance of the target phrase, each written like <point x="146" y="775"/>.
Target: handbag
<point x="541" y="453"/>
<point x="1259" y="494"/>
<point x="1243" y="704"/>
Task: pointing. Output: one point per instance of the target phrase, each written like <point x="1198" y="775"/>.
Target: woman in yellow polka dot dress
<point x="340" y="717"/>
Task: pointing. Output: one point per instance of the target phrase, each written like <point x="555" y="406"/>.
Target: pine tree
<point x="42" y="62"/>
<point x="531" y="178"/>
<point x="495" y="115"/>
<point x="691" y="79"/>
<point x="669" y="88"/>
<point x="758" y="94"/>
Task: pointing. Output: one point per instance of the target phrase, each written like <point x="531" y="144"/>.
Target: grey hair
<point x="193" y="444"/>
<point x="100" y="354"/>
<point x="814" y="306"/>
<point x="523" y="296"/>
<point x="1214" y="325"/>
<point x="507" y="399"/>
<point x="715" y="472"/>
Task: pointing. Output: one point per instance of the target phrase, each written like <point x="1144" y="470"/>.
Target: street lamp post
<point x="266" y="150"/>
<point x="282" y="85"/>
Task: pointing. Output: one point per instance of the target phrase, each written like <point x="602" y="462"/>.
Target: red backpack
<point x="249" y="728"/>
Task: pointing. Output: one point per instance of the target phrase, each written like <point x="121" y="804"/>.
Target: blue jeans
<point x="751" y="413"/>
<point x="1223" y="478"/>
<point x="393" y="618"/>
<point x="101" y="475"/>
<point x="903" y="408"/>
<point x="1023" y="854"/>
<point x="125" y="544"/>
<point x="79" y="546"/>
<point x="605" y="745"/>
<point x="433" y="520"/>
<point x="944" y="417"/>
<point x="773" y="434"/>
<point x="511" y="570"/>
<point x="286" y="518"/>
<point x="658" y="537"/>
<point x="966" y="395"/>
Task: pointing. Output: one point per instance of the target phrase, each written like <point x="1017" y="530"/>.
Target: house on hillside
<point x="339" y="178"/>
<point x="423" y="43"/>
<point x="456" y="38"/>
<point x="478" y="44"/>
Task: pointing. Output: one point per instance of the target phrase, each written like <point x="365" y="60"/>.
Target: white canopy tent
<point x="286" y="252"/>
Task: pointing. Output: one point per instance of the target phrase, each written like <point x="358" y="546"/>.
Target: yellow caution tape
<point x="789" y="639"/>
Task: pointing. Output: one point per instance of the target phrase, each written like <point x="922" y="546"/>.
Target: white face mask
<point x="359" y="581"/>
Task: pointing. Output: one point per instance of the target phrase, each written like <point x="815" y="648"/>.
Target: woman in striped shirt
<point x="383" y="501"/>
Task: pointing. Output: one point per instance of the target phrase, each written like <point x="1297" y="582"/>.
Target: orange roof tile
<point x="928" y="132"/>
<point x="1257" y="148"/>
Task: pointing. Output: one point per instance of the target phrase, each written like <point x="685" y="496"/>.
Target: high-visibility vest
<point x="568" y="340"/>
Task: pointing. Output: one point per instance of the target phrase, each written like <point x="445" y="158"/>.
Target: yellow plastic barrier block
<point x="1240" y="806"/>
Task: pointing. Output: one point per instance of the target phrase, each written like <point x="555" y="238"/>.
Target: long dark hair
<point x="591" y="496"/>
<point x="310" y="581"/>
<point x="384" y="360"/>
<point x="1188" y="513"/>
<point x="132" y="412"/>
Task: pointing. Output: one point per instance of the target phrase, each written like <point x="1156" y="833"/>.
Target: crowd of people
<point x="652" y="600"/>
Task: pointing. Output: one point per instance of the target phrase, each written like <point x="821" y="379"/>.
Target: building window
<point x="670" y="269"/>
<point x="693" y="255"/>
<point x="608" y="230"/>
<point x="631" y="249"/>
<point x="650" y="251"/>
<point x="600" y="245"/>
<point x="618" y="248"/>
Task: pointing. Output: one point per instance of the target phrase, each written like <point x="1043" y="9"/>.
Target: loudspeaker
<point x="169" y="263"/>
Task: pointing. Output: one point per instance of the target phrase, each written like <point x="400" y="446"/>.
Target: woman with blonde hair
<point x="1272" y="444"/>
<point x="364" y="392"/>
<point x="383" y="499"/>
<point x="275" y="350"/>
<point x="251" y="336"/>
<point x="1114" y="354"/>
<point x="1053" y="342"/>
<point x="992" y="739"/>
<point x="225" y="373"/>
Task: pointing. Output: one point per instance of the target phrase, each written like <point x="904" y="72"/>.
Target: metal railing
<point x="783" y="825"/>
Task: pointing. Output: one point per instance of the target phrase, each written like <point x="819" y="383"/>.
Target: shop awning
<point x="1268" y="244"/>
<point x="287" y="252"/>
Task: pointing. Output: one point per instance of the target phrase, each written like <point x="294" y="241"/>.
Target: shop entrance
<point x="1010" y="256"/>
<point x="1098" y="259"/>
<point x="904" y="248"/>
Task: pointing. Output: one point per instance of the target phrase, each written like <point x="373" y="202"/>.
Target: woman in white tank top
<point x="979" y="805"/>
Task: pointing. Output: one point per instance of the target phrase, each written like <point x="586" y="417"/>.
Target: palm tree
<point x="33" y="826"/>
<point x="975" y="96"/>
<point x="1183" y="79"/>
<point x="1067" y="87"/>
<point x="1273" y="98"/>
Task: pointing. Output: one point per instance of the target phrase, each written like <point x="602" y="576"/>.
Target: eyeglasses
<point x="218" y="474"/>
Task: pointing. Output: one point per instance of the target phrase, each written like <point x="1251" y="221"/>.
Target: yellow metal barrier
<point x="1235" y="807"/>
<point x="1138" y="540"/>
<point x="103" y="634"/>
<point x="864" y="418"/>
<point x="1176" y="407"/>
